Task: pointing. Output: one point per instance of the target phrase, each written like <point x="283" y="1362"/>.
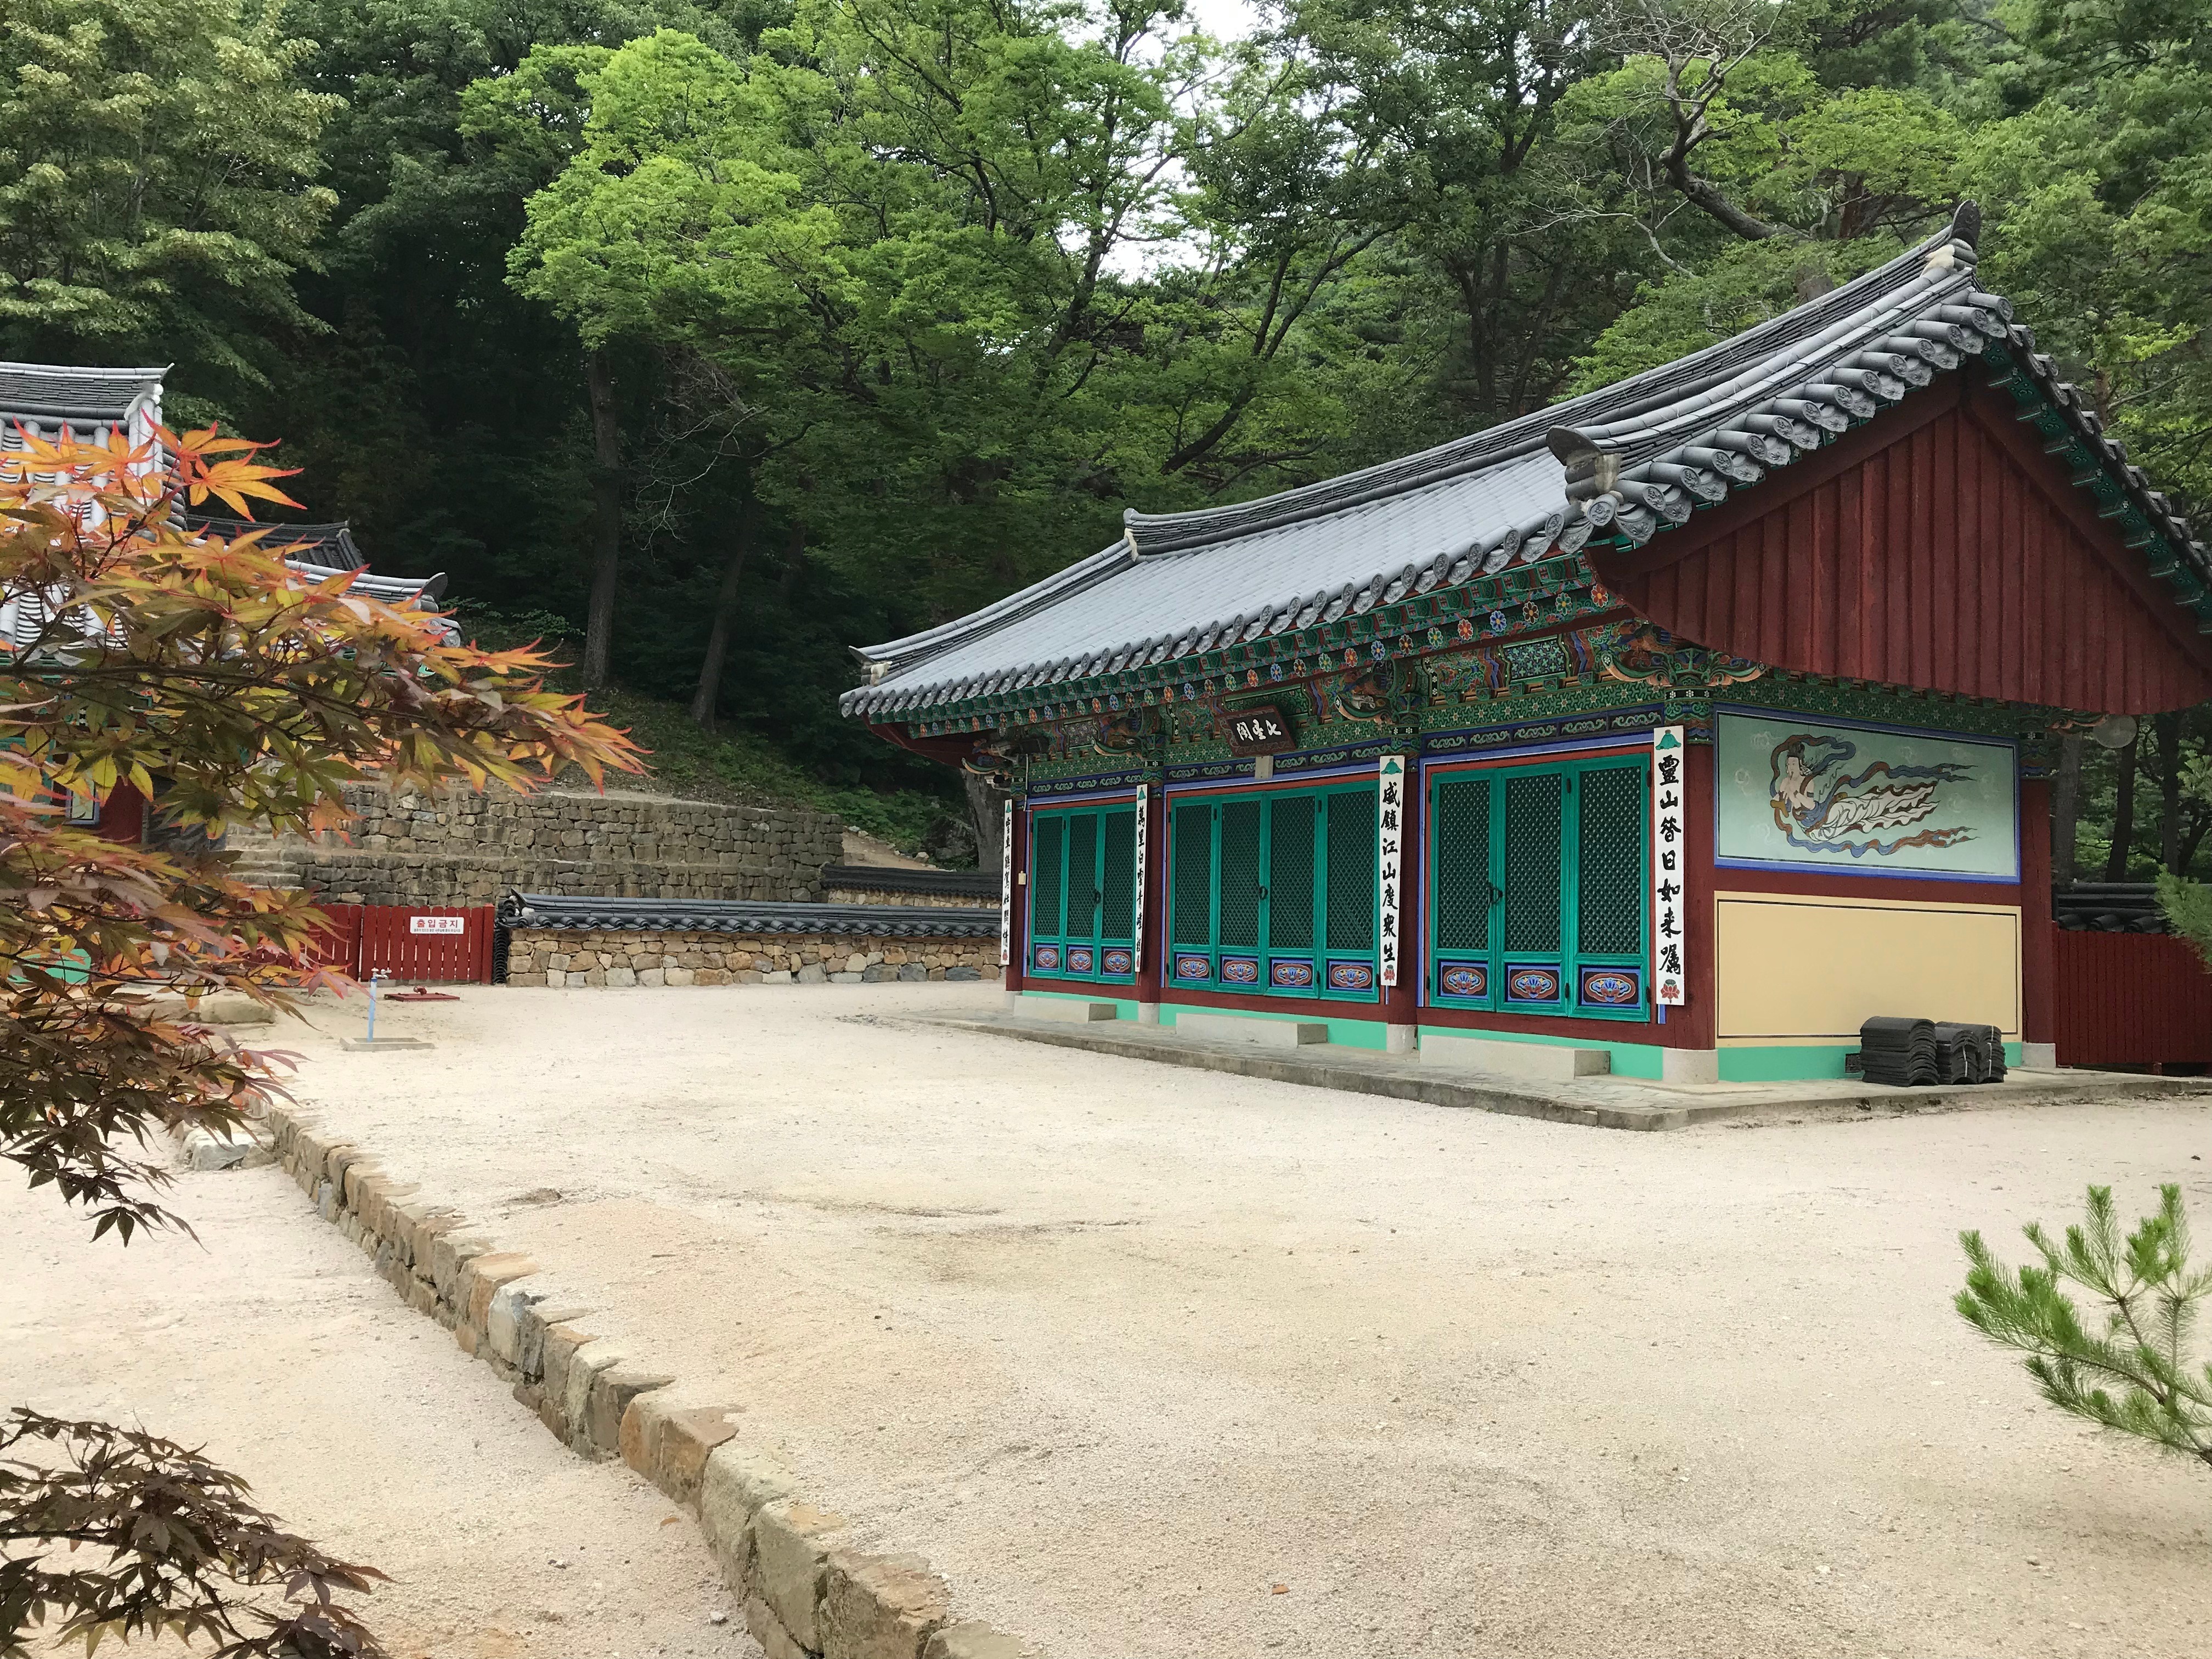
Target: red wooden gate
<point x="429" y="946"/>
<point x="2131" y="1000"/>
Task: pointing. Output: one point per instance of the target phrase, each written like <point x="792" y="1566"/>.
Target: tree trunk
<point x="709" y="688"/>
<point x="2065" y="807"/>
<point x="987" y="806"/>
<point x="606" y="517"/>
<point x="2167" y="727"/>
<point x="2123" y="814"/>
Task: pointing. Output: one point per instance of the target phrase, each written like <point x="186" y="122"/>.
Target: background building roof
<point x="46" y="394"/>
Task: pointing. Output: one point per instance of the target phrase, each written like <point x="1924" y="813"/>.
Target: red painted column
<point x="1019" y="906"/>
<point x="2038" y="978"/>
<point x="1401" y="1003"/>
<point x="1153" y="898"/>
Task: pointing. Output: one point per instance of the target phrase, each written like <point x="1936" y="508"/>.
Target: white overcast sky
<point x="1225" y="19"/>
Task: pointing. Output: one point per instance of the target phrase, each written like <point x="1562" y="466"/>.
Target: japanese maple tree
<point x="225" y="688"/>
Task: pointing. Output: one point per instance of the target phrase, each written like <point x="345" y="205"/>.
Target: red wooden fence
<point x="394" y="941"/>
<point x="338" y="945"/>
<point x="366" y="938"/>
<point x="2131" y="1000"/>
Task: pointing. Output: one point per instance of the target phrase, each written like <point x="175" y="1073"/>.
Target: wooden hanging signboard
<point x="1259" y="729"/>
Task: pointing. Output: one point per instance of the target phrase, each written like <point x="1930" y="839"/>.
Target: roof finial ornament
<point x="1966" y="223"/>
<point x="1590" y="470"/>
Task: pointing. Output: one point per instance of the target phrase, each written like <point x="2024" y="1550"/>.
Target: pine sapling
<point x="2140" y="1374"/>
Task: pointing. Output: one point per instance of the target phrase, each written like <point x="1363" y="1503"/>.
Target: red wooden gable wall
<point x="1936" y="547"/>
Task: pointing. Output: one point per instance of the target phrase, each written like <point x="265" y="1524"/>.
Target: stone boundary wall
<point x="567" y="957"/>
<point x="462" y="848"/>
<point x="807" y="1592"/>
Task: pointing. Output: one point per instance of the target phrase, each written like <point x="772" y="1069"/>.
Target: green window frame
<point x="1084" y="891"/>
<point x="1539" y="889"/>
<point x="1275" y="893"/>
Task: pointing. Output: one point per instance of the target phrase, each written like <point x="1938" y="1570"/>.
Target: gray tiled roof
<point x="331" y="546"/>
<point x="616" y="915"/>
<point x="1625" y="462"/>
<point x="47" y="393"/>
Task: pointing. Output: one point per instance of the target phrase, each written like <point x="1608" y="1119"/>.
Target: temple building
<point x="46" y="399"/>
<point x="1670" y="731"/>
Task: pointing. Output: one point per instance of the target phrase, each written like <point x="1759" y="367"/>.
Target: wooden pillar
<point x="1401" y="1003"/>
<point x="2038" y="979"/>
<point x="1153" y="898"/>
<point x="1019" y="906"/>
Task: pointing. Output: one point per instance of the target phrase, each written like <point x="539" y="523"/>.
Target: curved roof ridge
<point x="1524" y="435"/>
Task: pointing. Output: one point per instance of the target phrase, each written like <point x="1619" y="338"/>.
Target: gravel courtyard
<point x="1155" y="1362"/>
<point x="271" y="1344"/>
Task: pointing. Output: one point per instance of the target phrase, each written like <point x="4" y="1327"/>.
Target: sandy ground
<point x="1123" y="1348"/>
<point x="356" y="1421"/>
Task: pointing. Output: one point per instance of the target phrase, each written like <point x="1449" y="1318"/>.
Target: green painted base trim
<point x="1629" y="1059"/>
<point x="1124" y="1007"/>
<point x="1784" y="1062"/>
<point x="1789" y="1062"/>
<point x="1344" y="1033"/>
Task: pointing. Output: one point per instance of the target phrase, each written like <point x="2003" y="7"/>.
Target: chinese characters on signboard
<point x="1137" y="937"/>
<point x="1006" y="888"/>
<point x="1259" y="731"/>
<point x="1669" y="973"/>
<point x="1390" y="806"/>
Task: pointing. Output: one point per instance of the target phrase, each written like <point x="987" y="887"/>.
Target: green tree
<point x="157" y="168"/>
<point x="2140" y="1374"/>
<point x="2100" y="214"/>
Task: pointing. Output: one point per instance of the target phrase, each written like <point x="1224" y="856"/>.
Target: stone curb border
<point x="807" y="1593"/>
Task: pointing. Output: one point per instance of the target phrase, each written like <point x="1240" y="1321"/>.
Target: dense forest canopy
<point x="724" y="334"/>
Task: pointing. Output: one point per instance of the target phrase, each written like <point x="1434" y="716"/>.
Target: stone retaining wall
<point x="461" y="848"/>
<point x="807" y="1592"/>
<point x="558" y="956"/>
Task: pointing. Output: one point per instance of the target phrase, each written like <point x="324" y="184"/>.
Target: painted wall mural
<point x="1866" y="800"/>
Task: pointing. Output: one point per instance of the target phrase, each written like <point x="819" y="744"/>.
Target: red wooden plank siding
<point x="389" y="945"/>
<point x="1937" y="548"/>
<point x="2130" y="999"/>
<point x="338" y="945"/>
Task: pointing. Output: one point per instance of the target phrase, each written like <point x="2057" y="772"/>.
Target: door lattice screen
<point x="1240" y="874"/>
<point x="1463" y="888"/>
<point x="1537" y="889"/>
<point x="1291" y="872"/>
<point x="1352" y="858"/>
<point x="1192" y="899"/>
<point x="1082" y="876"/>
<point x="1532" y="862"/>
<point x="1613" y="861"/>
<point x="1048" y="880"/>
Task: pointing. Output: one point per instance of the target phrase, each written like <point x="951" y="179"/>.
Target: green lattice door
<point x="1537" y="890"/>
<point x="1083" y="894"/>
<point x="1274" y="893"/>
